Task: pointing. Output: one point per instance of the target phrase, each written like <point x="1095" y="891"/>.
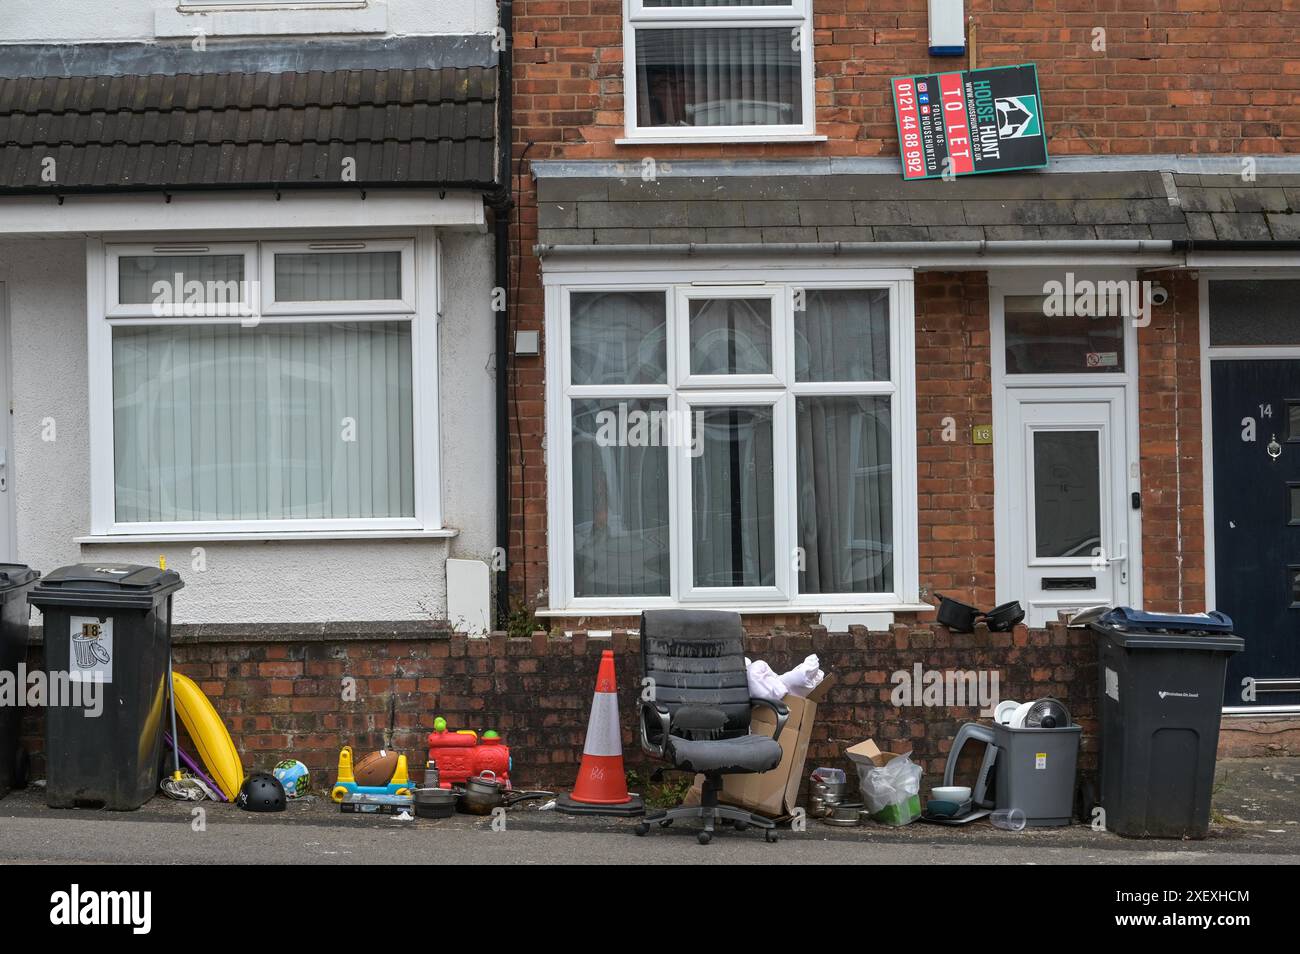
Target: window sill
<point x="794" y="609"/>
<point x="304" y="536"/>
<point x="757" y="140"/>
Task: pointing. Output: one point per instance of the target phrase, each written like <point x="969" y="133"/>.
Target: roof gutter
<point x="1185" y="246"/>
<point x="60" y="192"/>
<point x="974" y="249"/>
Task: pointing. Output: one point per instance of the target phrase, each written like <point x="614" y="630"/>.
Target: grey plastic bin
<point x="1034" y="769"/>
<point x="114" y="620"/>
<point x="15" y="580"/>
<point x="1160" y="700"/>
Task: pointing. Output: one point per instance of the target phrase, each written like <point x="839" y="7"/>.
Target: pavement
<point x="1256" y="821"/>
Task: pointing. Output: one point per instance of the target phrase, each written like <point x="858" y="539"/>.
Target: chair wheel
<point x="642" y="828"/>
<point x="704" y="837"/>
<point x="740" y="825"/>
<point x="770" y="837"/>
<point x="666" y="823"/>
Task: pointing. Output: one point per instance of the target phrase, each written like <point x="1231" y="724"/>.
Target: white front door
<point x="1068" y="540"/>
<point x="7" y="540"/>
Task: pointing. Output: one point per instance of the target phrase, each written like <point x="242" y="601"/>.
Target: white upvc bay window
<point x="263" y="387"/>
<point x="721" y="438"/>
<point x="718" y="70"/>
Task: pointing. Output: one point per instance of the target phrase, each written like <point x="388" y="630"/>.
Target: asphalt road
<point x="64" y="838"/>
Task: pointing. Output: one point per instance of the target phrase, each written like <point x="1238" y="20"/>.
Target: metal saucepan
<point x="485" y="791"/>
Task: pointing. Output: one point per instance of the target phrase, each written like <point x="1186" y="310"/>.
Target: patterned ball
<point x="293" y="776"/>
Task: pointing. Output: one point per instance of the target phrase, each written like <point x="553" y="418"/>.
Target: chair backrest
<point x="697" y="661"/>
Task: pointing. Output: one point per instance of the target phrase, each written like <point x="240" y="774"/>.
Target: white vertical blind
<point x="718" y="76"/>
<point x="338" y="276"/>
<point x="278" y="421"/>
<point x="136" y="275"/>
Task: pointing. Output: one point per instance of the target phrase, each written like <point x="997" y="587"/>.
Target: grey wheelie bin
<point x="15" y="581"/>
<point x="107" y="639"/>
<point x="1160" y="697"/>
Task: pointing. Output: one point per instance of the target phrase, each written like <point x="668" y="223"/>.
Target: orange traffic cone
<point x="601" y="788"/>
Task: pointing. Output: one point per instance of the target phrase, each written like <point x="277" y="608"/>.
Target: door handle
<point x="1122" y="557"/>
<point x="4" y="470"/>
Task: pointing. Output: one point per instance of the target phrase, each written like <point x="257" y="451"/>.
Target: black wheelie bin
<point x="107" y="640"/>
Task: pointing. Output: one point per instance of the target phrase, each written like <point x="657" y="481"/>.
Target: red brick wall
<point x="954" y="477"/>
<point x="282" y="699"/>
<point x="1175" y="78"/>
<point x="1169" y="440"/>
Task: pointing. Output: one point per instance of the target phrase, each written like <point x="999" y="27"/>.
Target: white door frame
<point x="1031" y="282"/>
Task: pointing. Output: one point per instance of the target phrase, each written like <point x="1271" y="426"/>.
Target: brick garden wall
<point x="281" y="698"/>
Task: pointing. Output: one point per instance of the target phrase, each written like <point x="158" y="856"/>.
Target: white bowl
<point x="951" y="793"/>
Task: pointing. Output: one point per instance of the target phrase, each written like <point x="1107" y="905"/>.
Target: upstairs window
<point x="718" y="69"/>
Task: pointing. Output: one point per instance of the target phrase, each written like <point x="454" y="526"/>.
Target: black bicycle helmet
<point x="261" y="792"/>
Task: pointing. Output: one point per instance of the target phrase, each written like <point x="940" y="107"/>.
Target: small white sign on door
<point x="90" y="649"/>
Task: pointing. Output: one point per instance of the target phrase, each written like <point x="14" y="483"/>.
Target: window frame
<point x="103" y="315"/>
<point x="796" y="16"/>
<point x="115" y="253"/>
<point x="272" y="306"/>
<point x="900" y="388"/>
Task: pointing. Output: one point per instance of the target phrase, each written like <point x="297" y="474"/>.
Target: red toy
<point x="462" y="755"/>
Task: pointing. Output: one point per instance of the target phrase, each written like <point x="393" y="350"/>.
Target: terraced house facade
<point x="1066" y="385"/>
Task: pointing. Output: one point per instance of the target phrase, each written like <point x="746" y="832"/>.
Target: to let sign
<point x="962" y="124"/>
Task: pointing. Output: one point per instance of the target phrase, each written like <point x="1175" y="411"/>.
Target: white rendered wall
<point x="251" y="581"/>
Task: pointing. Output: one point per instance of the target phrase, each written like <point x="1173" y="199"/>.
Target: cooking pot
<point x="957" y="616"/>
<point x="434" y="802"/>
<point x="1002" y="619"/>
<point x="483" y="792"/>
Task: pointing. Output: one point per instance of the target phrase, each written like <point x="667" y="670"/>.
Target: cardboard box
<point x="868" y="753"/>
<point x="774" y="793"/>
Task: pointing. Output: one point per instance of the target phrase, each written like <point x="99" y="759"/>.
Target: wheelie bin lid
<point x="14" y="575"/>
<point x="105" y="585"/>
<point x="1137" y="629"/>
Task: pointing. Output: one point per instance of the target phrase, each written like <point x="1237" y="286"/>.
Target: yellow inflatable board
<point x="216" y="749"/>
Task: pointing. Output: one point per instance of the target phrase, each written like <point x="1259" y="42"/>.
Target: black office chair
<point x="699" y="717"/>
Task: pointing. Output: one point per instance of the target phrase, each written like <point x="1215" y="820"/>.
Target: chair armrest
<point x="782" y="714"/>
<point x="661" y="715"/>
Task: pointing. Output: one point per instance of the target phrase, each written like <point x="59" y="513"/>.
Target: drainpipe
<point x="501" y="204"/>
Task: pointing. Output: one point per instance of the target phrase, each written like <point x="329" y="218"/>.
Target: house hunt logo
<point x="75" y="907"/>
<point x="1017" y="117"/>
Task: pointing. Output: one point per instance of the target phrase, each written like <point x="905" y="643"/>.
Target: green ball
<point x="440" y="724"/>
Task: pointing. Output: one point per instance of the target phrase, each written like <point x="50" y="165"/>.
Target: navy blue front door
<point x="1257" y="523"/>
